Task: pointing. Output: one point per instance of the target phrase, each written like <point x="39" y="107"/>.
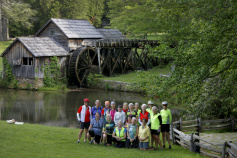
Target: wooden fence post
<point x="180" y="124"/>
<point x="191" y="143"/>
<point x="199" y="123"/>
<point x="197" y="147"/>
<point x="224" y="150"/>
<point x="232" y="123"/>
<point x="172" y="133"/>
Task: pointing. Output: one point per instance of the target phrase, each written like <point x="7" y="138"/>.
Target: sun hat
<point x="150" y="102"/>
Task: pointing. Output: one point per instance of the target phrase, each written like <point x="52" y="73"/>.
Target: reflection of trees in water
<point x="57" y="108"/>
<point x="32" y="106"/>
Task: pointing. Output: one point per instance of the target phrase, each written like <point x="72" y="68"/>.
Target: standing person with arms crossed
<point x="156" y="121"/>
<point x="166" y="121"/>
<point x="149" y="109"/>
<point x="84" y="117"/>
<point x="96" y="108"/>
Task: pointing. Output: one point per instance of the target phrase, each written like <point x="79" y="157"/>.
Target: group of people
<point x="127" y="126"/>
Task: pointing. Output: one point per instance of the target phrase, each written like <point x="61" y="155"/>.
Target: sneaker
<point x="78" y="141"/>
<point x="163" y="146"/>
<point x="84" y="141"/>
<point x="104" y="144"/>
<point x="170" y="147"/>
<point x="91" y="142"/>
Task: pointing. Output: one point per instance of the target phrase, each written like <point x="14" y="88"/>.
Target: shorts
<point x="155" y="132"/>
<point x="165" y="128"/>
<point x="85" y="125"/>
<point x="144" y="145"/>
<point x="109" y="139"/>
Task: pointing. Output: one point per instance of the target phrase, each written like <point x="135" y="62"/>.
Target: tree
<point x="14" y="12"/>
<point x="132" y="17"/>
<point x="203" y="33"/>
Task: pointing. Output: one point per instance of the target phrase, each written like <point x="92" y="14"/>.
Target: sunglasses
<point x="164" y="104"/>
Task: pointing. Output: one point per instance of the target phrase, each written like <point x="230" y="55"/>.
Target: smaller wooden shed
<point x="28" y="55"/>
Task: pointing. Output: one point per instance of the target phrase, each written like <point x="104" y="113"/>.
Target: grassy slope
<point x="138" y="76"/>
<point x="30" y="140"/>
<point x="3" y="46"/>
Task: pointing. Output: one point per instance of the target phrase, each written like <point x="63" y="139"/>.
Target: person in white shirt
<point x="119" y="115"/>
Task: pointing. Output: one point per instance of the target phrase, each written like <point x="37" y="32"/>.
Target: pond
<point x="57" y="108"/>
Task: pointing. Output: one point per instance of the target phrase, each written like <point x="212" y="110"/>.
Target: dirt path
<point x="220" y="138"/>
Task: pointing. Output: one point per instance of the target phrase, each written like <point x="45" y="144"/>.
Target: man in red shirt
<point x="84" y="116"/>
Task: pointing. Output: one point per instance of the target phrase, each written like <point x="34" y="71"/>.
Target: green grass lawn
<point x="30" y="140"/>
<point x="3" y="46"/>
<point x="139" y="76"/>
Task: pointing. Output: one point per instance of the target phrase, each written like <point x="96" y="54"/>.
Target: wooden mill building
<point x="80" y="47"/>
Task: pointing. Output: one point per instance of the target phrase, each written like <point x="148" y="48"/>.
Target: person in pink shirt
<point x="112" y="111"/>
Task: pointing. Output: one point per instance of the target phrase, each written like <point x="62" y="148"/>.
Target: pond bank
<point x="114" y="86"/>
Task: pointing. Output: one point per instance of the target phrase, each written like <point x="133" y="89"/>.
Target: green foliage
<point x="19" y="14"/>
<point x="91" y="79"/>
<point x="132" y="17"/>
<point x="52" y="74"/>
<point x="28" y="86"/>
<point x="8" y="78"/>
<point x="3" y="46"/>
<point x="203" y="36"/>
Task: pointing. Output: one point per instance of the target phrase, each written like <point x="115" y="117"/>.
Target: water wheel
<point x="81" y="63"/>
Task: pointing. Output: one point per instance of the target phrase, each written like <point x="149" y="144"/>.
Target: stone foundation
<point x="113" y="85"/>
<point x="30" y="83"/>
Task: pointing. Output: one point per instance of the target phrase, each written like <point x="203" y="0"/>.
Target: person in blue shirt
<point x="96" y="108"/>
<point x="95" y="128"/>
<point x="119" y="135"/>
<point x="132" y="133"/>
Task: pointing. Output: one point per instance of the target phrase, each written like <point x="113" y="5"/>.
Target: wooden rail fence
<point x="195" y="143"/>
<point x="199" y="125"/>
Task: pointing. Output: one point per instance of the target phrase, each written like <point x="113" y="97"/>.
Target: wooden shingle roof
<point x="112" y="34"/>
<point x="40" y="46"/>
<point x="75" y="28"/>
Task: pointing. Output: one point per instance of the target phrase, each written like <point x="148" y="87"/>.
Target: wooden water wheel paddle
<point x="81" y="63"/>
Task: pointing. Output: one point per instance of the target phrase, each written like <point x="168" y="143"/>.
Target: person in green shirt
<point x="166" y="121"/>
<point x="150" y="105"/>
<point x="156" y="121"/>
<point x="149" y="109"/>
<point x="137" y="109"/>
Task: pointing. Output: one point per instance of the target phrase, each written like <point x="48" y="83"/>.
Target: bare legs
<point x="80" y="134"/>
<point x="104" y="139"/>
<point x="157" y="140"/>
<point x="166" y="135"/>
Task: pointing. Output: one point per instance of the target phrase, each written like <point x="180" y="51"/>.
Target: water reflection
<point x="56" y="108"/>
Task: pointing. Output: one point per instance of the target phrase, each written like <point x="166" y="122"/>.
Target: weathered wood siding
<point x="40" y="65"/>
<point x="58" y="35"/>
<point x="17" y="52"/>
<point x="73" y="44"/>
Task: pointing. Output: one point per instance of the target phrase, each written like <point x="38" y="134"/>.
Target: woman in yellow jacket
<point x="119" y="135"/>
<point x="156" y="121"/>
